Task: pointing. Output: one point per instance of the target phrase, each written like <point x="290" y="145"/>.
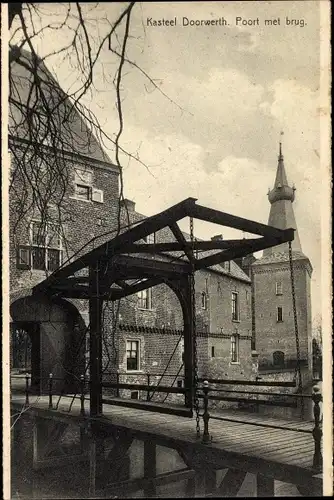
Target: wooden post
<point x="204" y="482"/>
<point x="82" y="395"/>
<point x="95" y="344"/>
<point x="117" y="381"/>
<point x="50" y="390"/>
<point x="188" y="345"/>
<point x="206" y="436"/>
<point x="317" y="432"/>
<point x="27" y="390"/>
<point x="92" y="466"/>
<point x="35" y="444"/>
<point x="150" y="467"/>
<point x="191" y="487"/>
<point x="265" y="486"/>
<point x="148" y="391"/>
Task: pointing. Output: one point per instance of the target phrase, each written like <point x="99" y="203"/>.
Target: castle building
<point x="142" y="333"/>
<point x="274" y="318"/>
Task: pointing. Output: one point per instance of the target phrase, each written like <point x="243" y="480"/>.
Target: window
<point x="235" y="306"/>
<point x="45" y="251"/>
<point x="213" y="351"/>
<point x="278" y="358"/>
<point x="145" y="299"/>
<point x="83" y="177"/>
<point x="204" y="300"/>
<point x="83" y="186"/>
<point x="235" y="348"/>
<point x="279" y="314"/>
<point x="82" y="192"/>
<point x="23" y="257"/>
<point x="279" y="288"/>
<point x="227" y="266"/>
<point x="180" y="383"/>
<point x="132" y="355"/>
<point x="97" y="195"/>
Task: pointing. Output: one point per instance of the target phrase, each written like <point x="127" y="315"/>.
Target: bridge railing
<point x="253" y="396"/>
<point x="205" y="393"/>
<point x="244" y="397"/>
<point x="53" y="393"/>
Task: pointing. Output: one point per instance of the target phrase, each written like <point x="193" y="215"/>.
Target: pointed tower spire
<point x="281" y="214"/>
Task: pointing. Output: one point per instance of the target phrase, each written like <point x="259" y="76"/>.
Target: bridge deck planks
<point x="275" y="445"/>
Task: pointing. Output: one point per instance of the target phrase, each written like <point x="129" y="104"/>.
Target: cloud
<point x="178" y="171"/>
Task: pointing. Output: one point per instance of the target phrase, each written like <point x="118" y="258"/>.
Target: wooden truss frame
<point x="114" y="265"/>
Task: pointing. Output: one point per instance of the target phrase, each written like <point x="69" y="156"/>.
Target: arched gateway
<point x="45" y="336"/>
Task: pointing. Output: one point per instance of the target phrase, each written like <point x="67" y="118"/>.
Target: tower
<point x="275" y="339"/>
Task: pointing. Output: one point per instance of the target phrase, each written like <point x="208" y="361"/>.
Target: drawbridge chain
<point x="298" y="369"/>
<point x="193" y="313"/>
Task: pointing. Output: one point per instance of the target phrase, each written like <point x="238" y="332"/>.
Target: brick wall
<point x="272" y="335"/>
<point x="83" y="220"/>
<point x="159" y="332"/>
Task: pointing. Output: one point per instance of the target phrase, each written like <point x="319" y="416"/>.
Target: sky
<point x="231" y="90"/>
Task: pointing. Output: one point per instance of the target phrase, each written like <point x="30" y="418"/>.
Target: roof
<point x="67" y="125"/>
<point x="279" y="257"/>
<point x="281" y="214"/>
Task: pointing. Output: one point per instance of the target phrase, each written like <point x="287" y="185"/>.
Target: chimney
<point x="217" y="237"/>
<point x="128" y="204"/>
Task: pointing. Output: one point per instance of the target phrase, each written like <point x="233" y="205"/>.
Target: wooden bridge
<point x="273" y="449"/>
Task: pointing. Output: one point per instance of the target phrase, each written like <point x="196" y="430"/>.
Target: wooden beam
<point x="59" y="461"/>
<point x="131" y="289"/>
<point x="231" y="483"/>
<point x="228" y="220"/>
<point x="52" y="441"/>
<point x="187" y="248"/>
<point x="308" y="490"/>
<point x="150" y="467"/>
<point x="176" y="246"/>
<point x="126" y="487"/>
<point x="188" y="337"/>
<point x="92" y="467"/>
<point x="245" y="249"/>
<point x="157" y="266"/>
<point x="148" y="226"/>
<point x="153" y="407"/>
<point x="113" y="467"/>
<point x="116" y="294"/>
<point x="265" y="486"/>
<point x="95" y="340"/>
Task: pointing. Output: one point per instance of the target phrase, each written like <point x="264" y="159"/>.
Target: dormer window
<point x="83" y="186"/>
